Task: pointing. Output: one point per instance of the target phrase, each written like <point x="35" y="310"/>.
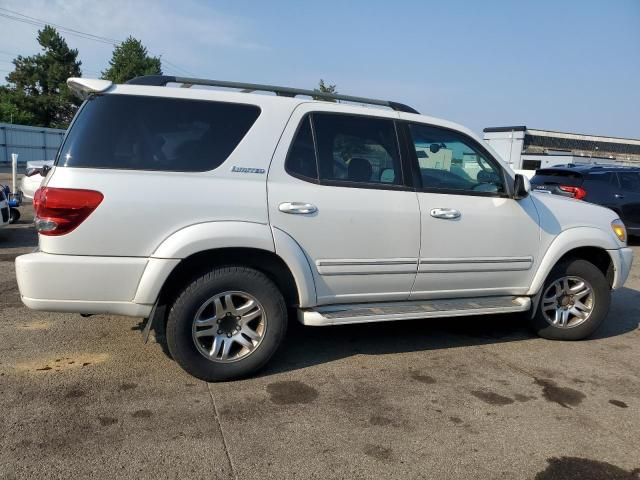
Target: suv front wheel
<point x="574" y="302"/>
<point x="226" y="324"/>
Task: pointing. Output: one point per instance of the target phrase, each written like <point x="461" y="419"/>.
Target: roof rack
<point x="162" y="80"/>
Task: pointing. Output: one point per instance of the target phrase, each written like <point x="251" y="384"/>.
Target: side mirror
<point x="521" y="187"/>
<point x="38" y="170"/>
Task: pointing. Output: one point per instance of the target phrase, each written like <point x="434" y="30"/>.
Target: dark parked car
<point x="617" y="188"/>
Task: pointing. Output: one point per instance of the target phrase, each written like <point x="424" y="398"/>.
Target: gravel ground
<point x="441" y="399"/>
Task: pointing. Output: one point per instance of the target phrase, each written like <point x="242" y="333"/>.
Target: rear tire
<point x="575" y="301"/>
<point x="226" y="324"/>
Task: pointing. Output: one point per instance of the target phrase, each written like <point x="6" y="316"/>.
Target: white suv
<point x="212" y="212"/>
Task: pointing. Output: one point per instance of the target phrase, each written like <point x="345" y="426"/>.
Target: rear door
<point x="629" y="197"/>
<point x="336" y="186"/>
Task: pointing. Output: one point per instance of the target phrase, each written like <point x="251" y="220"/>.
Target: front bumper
<point x="81" y="284"/>
<point x="622" y="260"/>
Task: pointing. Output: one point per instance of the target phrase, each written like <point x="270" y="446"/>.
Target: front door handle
<point x="617" y="195"/>
<point x="299" y="208"/>
<point x="445" y="213"/>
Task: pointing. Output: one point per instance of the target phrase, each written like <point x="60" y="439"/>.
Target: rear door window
<point x="155" y="133"/>
<point x="357" y="150"/>
<point x="630" y="181"/>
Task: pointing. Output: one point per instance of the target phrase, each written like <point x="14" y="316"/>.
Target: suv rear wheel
<point x="226" y="324"/>
<point x="574" y="302"/>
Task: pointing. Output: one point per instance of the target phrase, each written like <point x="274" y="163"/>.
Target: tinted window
<point x="549" y="176"/>
<point x="601" y="177"/>
<point x="155" y="133"/>
<point x="357" y="149"/>
<point x="630" y="181"/>
<point x="449" y="161"/>
<point x="531" y="164"/>
<point x="301" y="160"/>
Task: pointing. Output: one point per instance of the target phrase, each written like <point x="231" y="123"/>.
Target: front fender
<point x="566" y="241"/>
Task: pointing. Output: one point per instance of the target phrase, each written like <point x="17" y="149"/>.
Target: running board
<point x="384" y="312"/>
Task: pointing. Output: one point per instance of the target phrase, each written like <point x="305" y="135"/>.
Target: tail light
<point x="577" y="192"/>
<point x="61" y="210"/>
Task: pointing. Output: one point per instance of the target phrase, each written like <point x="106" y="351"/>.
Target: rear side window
<point x="301" y="160"/>
<point x="601" y="177"/>
<point x="155" y="133"/>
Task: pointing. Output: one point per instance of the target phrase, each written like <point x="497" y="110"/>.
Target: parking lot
<point x="458" y="398"/>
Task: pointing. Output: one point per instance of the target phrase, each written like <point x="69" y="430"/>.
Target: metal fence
<point x="30" y="143"/>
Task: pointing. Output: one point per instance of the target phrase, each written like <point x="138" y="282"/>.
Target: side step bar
<point x="384" y="312"/>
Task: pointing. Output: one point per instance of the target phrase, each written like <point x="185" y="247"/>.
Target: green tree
<point x="130" y="59"/>
<point x="37" y="92"/>
<point x="325" y="88"/>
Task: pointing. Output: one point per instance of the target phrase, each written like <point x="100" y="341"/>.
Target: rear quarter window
<point x="155" y="133"/>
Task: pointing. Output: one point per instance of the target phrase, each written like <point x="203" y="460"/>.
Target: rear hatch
<point x="564" y="182"/>
<point x="135" y="168"/>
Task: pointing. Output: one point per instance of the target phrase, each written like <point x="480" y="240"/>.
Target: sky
<point x="566" y="65"/>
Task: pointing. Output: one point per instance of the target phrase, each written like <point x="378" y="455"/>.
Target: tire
<point x="240" y="284"/>
<point x="14" y="215"/>
<point x="591" y="277"/>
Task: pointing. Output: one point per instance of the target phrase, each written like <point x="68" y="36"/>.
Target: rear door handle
<point x="299" y="208"/>
<point x="445" y="213"/>
<point x="617" y="195"/>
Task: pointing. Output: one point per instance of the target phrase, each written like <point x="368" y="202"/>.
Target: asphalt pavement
<point x="477" y="398"/>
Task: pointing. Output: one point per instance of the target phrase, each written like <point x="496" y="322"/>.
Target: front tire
<point x="226" y="324"/>
<point x="575" y="301"/>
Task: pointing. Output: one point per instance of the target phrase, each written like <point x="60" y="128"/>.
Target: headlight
<point x="618" y="228"/>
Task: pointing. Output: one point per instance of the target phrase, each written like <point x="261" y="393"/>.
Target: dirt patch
<point x="61" y="363"/>
<point x="565" y="396"/>
<point x="492" y="398"/>
<point x="39" y="325"/>
<point x="291" y="392"/>
<point x="568" y="468"/>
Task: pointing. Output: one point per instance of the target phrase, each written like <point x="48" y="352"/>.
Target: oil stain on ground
<point x="492" y="398"/>
<point x="567" y="468"/>
<point x="419" y="377"/>
<point x="618" y="403"/>
<point x="106" y="421"/>
<point x="567" y="397"/>
<point x="378" y="452"/>
<point x="291" y="392"/>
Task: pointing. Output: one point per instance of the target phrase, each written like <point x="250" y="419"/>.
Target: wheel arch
<point x="586" y="243"/>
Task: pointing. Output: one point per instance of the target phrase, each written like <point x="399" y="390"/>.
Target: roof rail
<point x="162" y="80"/>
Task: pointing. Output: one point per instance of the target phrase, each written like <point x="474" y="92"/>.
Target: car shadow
<point x="309" y="346"/>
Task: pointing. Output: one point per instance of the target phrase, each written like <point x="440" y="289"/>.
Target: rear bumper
<point x="83" y="284"/>
<point x="622" y="260"/>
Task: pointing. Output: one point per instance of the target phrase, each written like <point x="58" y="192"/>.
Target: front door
<point x="336" y="186"/>
<point x="476" y="239"/>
